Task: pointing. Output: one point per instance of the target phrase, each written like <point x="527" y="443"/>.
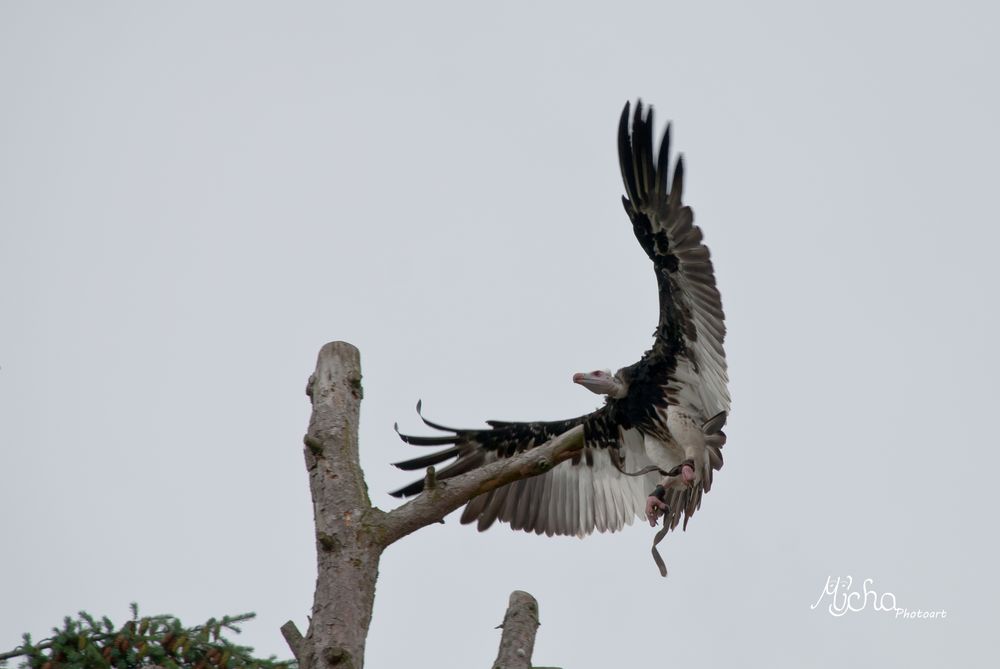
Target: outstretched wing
<point x="576" y="497"/>
<point x="691" y="328"/>
<point x="686" y="367"/>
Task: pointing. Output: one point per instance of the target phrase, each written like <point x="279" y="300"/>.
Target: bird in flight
<point x="651" y="449"/>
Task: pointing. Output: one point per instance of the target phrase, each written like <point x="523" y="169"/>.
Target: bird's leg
<point x="655" y="506"/>
<point x="681" y="475"/>
<point x="684" y="473"/>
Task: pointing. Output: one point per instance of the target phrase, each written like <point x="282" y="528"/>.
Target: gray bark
<point x="350" y="533"/>
<point x="347" y="545"/>
<point x="519" y="626"/>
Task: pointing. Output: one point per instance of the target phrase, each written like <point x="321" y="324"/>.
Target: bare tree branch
<point x="295" y="641"/>
<point x="434" y="504"/>
<point x="350" y="533"/>
<point x="520" y="623"/>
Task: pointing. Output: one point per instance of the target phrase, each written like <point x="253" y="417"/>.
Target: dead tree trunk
<point x="351" y="534"/>
<point x="347" y="548"/>
<point x="519" y="626"/>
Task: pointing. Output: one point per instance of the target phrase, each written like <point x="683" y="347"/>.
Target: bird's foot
<point x="684" y="473"/>
<point x="687" y="474"/>
<point x="655" y="506"/>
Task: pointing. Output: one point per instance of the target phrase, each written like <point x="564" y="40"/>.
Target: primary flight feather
<point x="652" y="448"/>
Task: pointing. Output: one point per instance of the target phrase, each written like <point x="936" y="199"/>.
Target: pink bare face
<point x="600" y="381"/>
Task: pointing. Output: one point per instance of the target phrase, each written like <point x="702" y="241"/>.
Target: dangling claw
<point x="655" y="506"/>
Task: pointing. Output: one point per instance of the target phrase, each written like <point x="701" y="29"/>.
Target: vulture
<point x="652" y="448"/>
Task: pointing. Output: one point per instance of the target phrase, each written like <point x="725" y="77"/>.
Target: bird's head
<point x="601" y="382"/>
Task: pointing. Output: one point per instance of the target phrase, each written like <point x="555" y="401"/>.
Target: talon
<point x="655" y="507"/>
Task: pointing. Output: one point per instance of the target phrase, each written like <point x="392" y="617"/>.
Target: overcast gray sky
<point x="195" y="197"/>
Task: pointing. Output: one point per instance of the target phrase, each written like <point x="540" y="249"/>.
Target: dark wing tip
<point x="410" y="490"/>
<point x="625" y="155"/>
<point x="663" y="161"/>
<point x="432" y="424"/>
<point x="644" y="169"/>
<point x="677" y="186"/>
<point x="637" y="157"/>
<point x="428" y="460"/>
<point x="644" y="138"/>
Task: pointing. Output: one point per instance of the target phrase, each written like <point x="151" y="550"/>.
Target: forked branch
<point x="350" y="533"/>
